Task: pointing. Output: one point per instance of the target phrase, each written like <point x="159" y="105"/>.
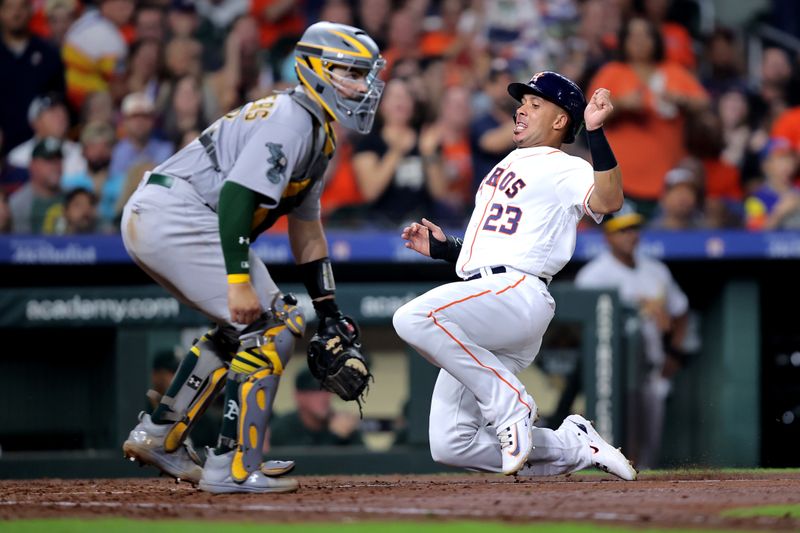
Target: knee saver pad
<point x="270" y="339"/>
<point x="198" y="391"/>
<point x="256" y="396"/>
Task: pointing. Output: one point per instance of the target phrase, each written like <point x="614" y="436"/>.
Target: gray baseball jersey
<point x="271" y="146"/>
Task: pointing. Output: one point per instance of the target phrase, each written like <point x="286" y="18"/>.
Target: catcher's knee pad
<point x="269" y="341"/>
<point x="204" y="381"/>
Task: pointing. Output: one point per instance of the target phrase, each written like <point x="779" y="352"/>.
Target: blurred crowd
<point x="96" y="93"/>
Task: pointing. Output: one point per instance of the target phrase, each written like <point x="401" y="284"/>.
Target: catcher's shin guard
<point x="206" y="379"/>
<point x="256" y="395"/>
<point x="265" y="349"/>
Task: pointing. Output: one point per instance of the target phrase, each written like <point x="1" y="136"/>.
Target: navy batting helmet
<point x="557" y="89"/>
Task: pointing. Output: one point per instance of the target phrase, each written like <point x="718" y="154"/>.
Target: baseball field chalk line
<point x="405" y="511"/>
<point x="409" y="511"/>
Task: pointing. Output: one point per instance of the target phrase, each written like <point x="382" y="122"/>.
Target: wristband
<point x="602" y="157"/>
<point x="326" y="307"/>
<point x="447" y="250"/>
<point x="318" y="278"/>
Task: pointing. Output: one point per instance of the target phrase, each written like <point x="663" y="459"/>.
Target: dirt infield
<point x="693" y="500"/>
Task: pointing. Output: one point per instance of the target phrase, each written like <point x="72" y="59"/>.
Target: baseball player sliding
<point x="483" y="330"/>
<point x="189" y="226"/>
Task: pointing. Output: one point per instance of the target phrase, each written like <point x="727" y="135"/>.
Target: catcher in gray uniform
<point x="189" y="226"/>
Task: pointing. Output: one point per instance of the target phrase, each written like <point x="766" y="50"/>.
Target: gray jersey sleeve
<point x="268" y="160"/>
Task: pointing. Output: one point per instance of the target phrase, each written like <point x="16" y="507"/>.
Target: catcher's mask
<point x="353" y="98"/>
<point x="557" y="89"/>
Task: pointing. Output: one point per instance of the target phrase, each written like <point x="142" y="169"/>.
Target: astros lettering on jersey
<point x="526" y="213"/>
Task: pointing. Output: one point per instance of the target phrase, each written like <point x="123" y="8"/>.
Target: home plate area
<point x="696" y="499"/>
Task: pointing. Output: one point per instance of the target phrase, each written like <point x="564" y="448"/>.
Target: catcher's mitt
<point x="335" y="359"/>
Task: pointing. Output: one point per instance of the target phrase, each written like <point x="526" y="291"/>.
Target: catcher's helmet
<point x="557" y="89"/>
<point x="325" y="45"/>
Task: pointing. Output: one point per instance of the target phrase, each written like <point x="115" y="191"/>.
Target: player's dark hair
<point x="655" y="36"/>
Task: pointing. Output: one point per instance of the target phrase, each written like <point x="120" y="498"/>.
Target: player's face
<point x="623" y="242"/>
<point x="536" y="120"/>
<point x="350" y="83"/>
<point x="314" y="404"/>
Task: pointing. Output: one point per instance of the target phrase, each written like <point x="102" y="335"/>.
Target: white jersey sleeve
<point x="574" y="185"/>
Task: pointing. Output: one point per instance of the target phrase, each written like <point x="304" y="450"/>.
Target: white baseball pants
<point x="481" y="333"/>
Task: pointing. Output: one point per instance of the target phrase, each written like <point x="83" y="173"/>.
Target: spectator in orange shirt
<point x="280" y="24"/>
<point x="95" y="50"/>
<point x="448" y="139"/>
<point x="723" y="188"/>
<point x="678" y="45"/>
<point x="53" y="18"/>
<point x="787" y="126"/>
<point x="446" y="40"/>
<point x="652" y="98"/>
<point x="277" y="19"/>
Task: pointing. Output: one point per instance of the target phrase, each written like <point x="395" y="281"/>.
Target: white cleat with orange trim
<point x="516" y="443"/>
<point x="603" y="455"/>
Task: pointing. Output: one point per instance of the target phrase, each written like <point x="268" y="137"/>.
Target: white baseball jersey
<point x="527" y="212"/>
<point x="649" y="279"/>
<point x="483" y="331"/>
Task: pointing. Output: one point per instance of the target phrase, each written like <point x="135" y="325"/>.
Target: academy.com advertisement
<point x="93" y="306"/>
<point x="152" y="305"/>
<point x="102" y="309"/>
